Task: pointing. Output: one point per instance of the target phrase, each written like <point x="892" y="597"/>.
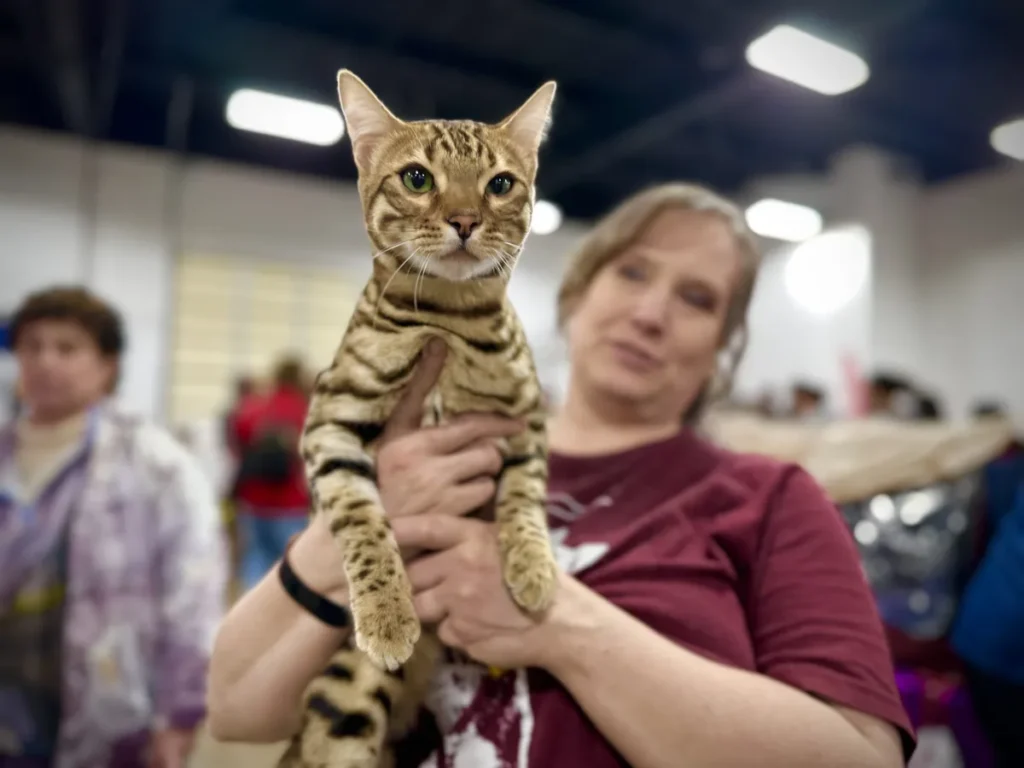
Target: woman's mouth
<point x="634" y="357"/>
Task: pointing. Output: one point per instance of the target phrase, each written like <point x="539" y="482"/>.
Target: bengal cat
<point x="447" y="206"/>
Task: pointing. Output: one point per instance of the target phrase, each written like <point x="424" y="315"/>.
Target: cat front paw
<point x="386" y="627"/>
<point x="531" y="574"/>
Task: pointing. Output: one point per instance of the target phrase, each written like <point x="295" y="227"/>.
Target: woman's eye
<point x="631" y="272"/>
<point x="500" y="184"/>
<point x="698" y="298"/>
<point x="417" y="179"/>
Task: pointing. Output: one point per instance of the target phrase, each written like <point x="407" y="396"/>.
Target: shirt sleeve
<point x="813" y="620"/>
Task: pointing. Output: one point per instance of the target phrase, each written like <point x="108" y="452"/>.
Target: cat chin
<point x="460" y="273"/>
<point x="459" y="267"/>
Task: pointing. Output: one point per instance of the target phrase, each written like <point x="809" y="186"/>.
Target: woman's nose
<point x="650" y="310"/>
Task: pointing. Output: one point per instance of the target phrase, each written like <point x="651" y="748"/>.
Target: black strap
<point x="328" y="611"/>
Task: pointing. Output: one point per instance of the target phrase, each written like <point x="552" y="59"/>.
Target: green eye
<point x="417" y="179"/>
<point x="500" y="184"/>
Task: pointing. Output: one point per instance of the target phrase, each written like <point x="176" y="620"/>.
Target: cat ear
<point x="367" y="120"/>
<point x="528" y="125"/>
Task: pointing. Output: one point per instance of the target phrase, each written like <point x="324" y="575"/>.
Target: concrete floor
<point x="213" y="754"/>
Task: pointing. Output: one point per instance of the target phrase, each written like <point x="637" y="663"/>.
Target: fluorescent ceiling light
<point x="547" y="217"/>
<point x="1008" y="139"/>
<point x="827" y="272"/>
<point x="285" y="117"/>
<point x="783" y="221"/>
<point x="807" y="60"/>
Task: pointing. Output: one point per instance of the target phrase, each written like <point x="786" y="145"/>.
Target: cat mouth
<point x="459" y="264"/>
<point x="461" y="257"/>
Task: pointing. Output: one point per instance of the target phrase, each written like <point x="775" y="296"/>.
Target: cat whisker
<point x="416" y="285"/>
<point x="509" y="261"/>
<point x="389" y="248"/>
<point x="384" y="290"/>
<point x="501" y="269"/>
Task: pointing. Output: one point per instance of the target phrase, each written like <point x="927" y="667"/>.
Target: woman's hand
<point x="459" y="586"/>
<point x="448" y="469"/>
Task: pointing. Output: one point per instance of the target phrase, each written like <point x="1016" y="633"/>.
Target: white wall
<point x="115" y="218"/>
<point x="810" y="330"/>
<point x="946" y="298"/>
<point x="972" y="287"/>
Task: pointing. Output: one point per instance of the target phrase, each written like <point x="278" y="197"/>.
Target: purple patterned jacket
<point x="146" y="581"/>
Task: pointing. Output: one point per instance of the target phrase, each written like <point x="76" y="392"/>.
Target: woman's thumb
<point x="408" y="414"/>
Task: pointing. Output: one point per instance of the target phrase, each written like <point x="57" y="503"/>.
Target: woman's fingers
<point x="468" y="429"/>
<point x="467" y="497"/>
<point x="434" y="532"/>
<point x="429" y="607"/>
<point x="480" y="458"/>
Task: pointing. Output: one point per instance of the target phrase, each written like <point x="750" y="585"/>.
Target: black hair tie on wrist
<point x="328" y="611"/>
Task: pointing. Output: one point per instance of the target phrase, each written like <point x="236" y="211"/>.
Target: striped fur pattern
<point x="447" y="206"/>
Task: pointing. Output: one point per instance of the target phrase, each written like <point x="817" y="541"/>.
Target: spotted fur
<point x="443" y="253"/>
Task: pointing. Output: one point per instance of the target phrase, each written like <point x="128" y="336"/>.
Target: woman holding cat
<point x="711" y="606"/>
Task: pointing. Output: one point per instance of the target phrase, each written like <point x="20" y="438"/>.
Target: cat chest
<point x="476" y="381"/>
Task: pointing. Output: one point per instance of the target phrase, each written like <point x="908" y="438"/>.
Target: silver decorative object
<point x="916" y="548"/>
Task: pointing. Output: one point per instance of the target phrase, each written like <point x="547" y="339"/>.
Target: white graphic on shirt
<point x="574" y="560"/>
<point x="457" y="684"/>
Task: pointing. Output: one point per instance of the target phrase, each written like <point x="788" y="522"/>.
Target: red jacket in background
<point x="286" y="406"/>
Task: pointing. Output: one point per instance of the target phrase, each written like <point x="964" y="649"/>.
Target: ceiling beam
<point x="301" y="58"/>
<point x="439" y="32"/>
<point x="702" y="106"/>
<point x="654" y="129"/>
<point x="64" y="38"/>
<point x="115" y="33"/>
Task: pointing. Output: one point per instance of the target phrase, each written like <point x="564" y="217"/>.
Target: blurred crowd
<point x="886" y="395"/>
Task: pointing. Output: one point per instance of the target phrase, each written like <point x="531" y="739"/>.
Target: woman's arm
<point x="663" y="706"/>
<point x="268" y="648"/>
<point x="817" y="639"/>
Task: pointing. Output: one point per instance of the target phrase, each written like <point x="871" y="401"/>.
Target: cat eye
<point x="417" y="179"/>
<point x="500" y="184"/>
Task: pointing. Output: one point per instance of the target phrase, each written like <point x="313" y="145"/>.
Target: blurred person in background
<point x="928" y="408"/>
<point x="891" y="396"/>
<point x="111" y="560"/>
<point x="808" y="402"/>
<point x="988" y="634"/>
<point x="1013" y="457"/>
<point x="244" y="395"/>
<point x="717" y="596"/>
<point x="272" y="498"/>
<point x="765" y="404"/>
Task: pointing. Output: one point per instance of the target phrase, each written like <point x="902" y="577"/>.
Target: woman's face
<point x="648" y="329"/>
<point x="61" y="369"/>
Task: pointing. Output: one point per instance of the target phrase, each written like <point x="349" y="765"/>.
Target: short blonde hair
<point x="627" y="222"/>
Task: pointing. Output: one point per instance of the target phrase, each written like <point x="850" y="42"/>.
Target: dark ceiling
<point x="649" y="89"/>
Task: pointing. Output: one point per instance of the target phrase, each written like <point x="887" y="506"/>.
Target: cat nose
<point x="464" y="224"/>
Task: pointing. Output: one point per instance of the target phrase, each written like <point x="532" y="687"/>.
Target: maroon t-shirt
<point x="738" y="558"/>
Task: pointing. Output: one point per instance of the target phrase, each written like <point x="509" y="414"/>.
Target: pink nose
<point x="464" y="224"/>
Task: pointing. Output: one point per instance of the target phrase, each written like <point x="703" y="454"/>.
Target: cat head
<point x="451" y="199"/>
